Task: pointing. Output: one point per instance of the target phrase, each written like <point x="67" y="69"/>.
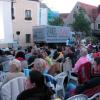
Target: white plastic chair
<point x="95" y="96"/>
<point x="12" y="88"/>
<point x="78" y="97"/>
<point x="67" y="68"/>
<point x="6" y="66"/>
<point x="60" y="91"/>
<point x="3" y="76"/>
<point x="72" y="78"/>
<point x="1" y="72"/>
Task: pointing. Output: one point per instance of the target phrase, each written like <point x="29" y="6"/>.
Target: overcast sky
<point x="65" y="6"/>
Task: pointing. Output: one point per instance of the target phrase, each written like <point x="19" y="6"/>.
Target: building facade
<point x="63" y="16"/>
<point x="25" y="15"/>
<point x="91" y="13"/>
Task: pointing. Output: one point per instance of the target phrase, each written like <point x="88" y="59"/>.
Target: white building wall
<point x="70" y="17"/>
<point x="43" y="16"/>
<point x="6" y="34"/>
<point x="22" y="25"/>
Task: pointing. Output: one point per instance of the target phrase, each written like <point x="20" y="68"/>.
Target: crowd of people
<point x="44" y="63"/>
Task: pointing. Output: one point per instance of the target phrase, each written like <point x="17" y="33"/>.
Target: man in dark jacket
<point x="38" y="90"/>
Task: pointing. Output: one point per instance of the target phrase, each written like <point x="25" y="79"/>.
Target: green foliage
<point x="92" y="38"/>
<point x="81" y="24"/>
<point x="57" y="21"/>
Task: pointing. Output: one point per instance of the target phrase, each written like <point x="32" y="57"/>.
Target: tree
<point x="81" y="24"/>
<point x="57" y="21"/>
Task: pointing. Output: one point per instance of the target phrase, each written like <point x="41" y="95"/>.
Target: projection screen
<point x="6" y="34"/>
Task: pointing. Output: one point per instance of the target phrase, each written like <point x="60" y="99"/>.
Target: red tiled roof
<point x="92" y="11"/>
<point x="88" y="5"/>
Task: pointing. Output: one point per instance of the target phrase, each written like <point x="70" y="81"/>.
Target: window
<point x="28" y="15"/>
<point x="28" y="38"/>
<point x="74" y="14"/>
<point x="98" y="26"/>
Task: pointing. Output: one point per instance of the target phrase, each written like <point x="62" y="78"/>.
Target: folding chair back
<point x="60" y="84"/>
<point x="3" y="76"/>
<point x="95" y="96"/>
<point x="78" y="97"/>
<point x="12" y="88"/>
<point x="6" y="66"/>
<point x="84" y="72"/>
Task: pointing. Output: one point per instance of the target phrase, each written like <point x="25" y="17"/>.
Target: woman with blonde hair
<point x="40" y="65"/>
<point x="15" y="70"/>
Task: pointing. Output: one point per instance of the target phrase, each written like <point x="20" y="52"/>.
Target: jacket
<point x="34" y="94"/>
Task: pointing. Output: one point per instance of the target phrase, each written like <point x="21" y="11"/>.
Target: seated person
<point x="29" y="53"/>
<point x="93" y="85"/>
<point x="54" y="69"/>
<point x="38" y="90"/>
<point x="96" y="67"/>
<point x="30" y="61"/>
<point x="96" y="54"/>
<point x="82" y="60"/>
<point x="90" y="87"/>
<point x="20" y="55"/>
<point x="15" y="70"/>
<point x="39" y="65"/>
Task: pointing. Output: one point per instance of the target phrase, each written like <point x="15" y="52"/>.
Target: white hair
<point x="83" y="51"/>
<point x="15" y="62"/>
<point x="40" y="64"/>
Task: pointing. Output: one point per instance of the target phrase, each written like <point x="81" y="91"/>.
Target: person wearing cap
<point x="15" y="70"/>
